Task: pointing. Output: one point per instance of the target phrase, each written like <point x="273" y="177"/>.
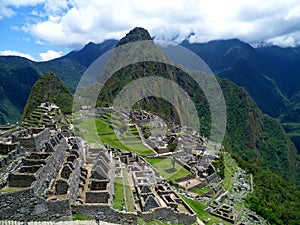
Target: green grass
<point x="10" y="189"/>
<point x="103" y="133"/>
<point x="81" y="217"/>
<point x="155" y="222"/>
<point x="199" y="209"/>
<point x="91" y="133"/>
<point x="230" y="169"/>
<point x="128" y="193"/>
<point x="118" y="194"/>
<point x="165" y="168"/>
<point x="201" y="190"/>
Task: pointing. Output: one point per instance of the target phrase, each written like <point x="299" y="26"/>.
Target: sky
<point x="41" y="30"/>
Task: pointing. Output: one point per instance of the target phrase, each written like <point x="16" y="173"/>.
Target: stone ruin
<point x="99" y="182"/>
<point x="42" y="178"/>
<point x="153" y="194"/>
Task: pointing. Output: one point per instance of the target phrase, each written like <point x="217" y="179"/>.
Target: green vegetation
<point x="49" y="88"/>
<point x="81" y="217"/>
<point x="128" y="192"/>
<point x="146" y="131"/>
<point x="199" y="209"/>
<point x="155" y="222"/>
<point x="219" y="165"/>
<point x="118" y="194"/>
<point x="87" y="129"/>
<point x="201" y="191"/>
<point x="293" y="131"/>
<point x="172" y="147"/>
<point x="165" y="168"/>
<point x="273" y="198"/>
<point x="100" y="131"/>
<point x="9" y="189"/>
<point x="42" y="116"/>
<point x="230" y="169"/>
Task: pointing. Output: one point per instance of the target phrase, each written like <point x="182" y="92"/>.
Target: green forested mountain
<point x="18" y="75"/>
<point x="49" y="88"/>
<point x="245" y="66"/>
<point x="269" y="73"/>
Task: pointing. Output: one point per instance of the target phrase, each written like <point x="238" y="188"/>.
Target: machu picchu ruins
<point x="48" y="172"/>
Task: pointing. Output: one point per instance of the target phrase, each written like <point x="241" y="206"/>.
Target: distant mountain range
<point x="270" y="74"/>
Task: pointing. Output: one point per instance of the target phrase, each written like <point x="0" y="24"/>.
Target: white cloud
<point x="285" y="40"/>
<point x="72" y="23"/>
<point x="7" y="11"/>
<point x="50" y="54"/>
<point x="16" y="53"/>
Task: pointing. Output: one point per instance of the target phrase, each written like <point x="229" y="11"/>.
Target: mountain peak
<point x="49" y="88"/>
<point x="136" y="34"/>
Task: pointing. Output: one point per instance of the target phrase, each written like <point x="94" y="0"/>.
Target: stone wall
<point x="168" y="214"/>
<point x="106" y="213"/>
<point x="97" y="197"/>
<point x="49" y="171"/>
<point x="11" y="156"/>
<point x="75" y="180"/>
<point x="34" y="141"/>
<point x="24" y="205"/>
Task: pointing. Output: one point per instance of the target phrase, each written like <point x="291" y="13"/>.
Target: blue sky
<point x="45" y="29"/>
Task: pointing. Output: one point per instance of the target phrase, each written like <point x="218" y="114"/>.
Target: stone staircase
<point x="79" y="222"/>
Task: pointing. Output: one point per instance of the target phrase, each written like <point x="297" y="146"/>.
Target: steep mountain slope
<point x="49" y="88"/>
<point x="17" y="76"/>
<point x="243" y="65"/>
<point x="269" y="73"/>
<point x="90" y="52"/>
<point x="284" y="67"/>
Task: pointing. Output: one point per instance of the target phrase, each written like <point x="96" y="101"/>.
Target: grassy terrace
<point x="119" y="194"/>
<point x="201" y="190"/>
<point x="81" y="217"/>
<point x="230" y="169"/>
<point x="155" y="222"/>
<point x="165" y="168"/>
<point x="199" y="209"/>
<point x="97" y="131"/>
<point x="128" y="193"/>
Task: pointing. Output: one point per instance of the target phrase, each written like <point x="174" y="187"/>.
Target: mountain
<point x="136" y="34"/>
<point x="245" y="66"/>
<point x="284" y="67"/>
<point x="18" y="75"/>
<point x="90" y="52"/>
<point x="270" y="74"/>
<point x="48" y="88"/>
<point x="257" y="141"/>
